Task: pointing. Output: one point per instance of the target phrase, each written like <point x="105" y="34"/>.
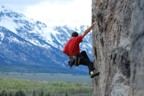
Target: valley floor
<point x="42" y="84"/>
<point x="48" y="77"/>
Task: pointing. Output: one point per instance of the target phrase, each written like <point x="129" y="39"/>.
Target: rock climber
<point x="72" y="50"/>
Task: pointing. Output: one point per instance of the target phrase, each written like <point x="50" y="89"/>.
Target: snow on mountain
<point x="27" y="42"/>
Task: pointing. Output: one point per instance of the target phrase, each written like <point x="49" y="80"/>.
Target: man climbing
<point x="77" y="58"/>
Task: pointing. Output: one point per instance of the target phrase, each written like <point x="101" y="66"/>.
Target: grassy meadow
<point x="42" y="84"/>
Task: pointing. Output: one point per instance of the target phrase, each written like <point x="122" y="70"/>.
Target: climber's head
<point x="74" y="34"/>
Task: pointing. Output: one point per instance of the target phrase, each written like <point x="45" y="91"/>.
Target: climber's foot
<point x="95" y="74"/>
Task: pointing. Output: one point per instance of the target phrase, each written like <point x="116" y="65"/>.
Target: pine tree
<point x="66" y="94"/>
<point x="20" y="93"/>
<point x="41" y="93"/>
<point x="34" y="93"/>
<point x="4" y="93"/>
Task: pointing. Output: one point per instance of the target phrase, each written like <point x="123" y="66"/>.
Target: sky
<point x="53" y="12"/>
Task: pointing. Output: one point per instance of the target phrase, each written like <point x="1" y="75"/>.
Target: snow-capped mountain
<point x="27" y="45"/>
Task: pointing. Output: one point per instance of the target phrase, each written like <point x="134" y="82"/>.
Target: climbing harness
<point x="74" y="60"/>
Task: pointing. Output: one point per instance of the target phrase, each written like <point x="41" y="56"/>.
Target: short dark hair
<point x="74" y="34"/>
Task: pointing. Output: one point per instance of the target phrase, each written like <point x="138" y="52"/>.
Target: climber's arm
<point x="88" y="29"/>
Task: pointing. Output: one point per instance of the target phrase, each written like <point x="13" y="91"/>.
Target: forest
<point x="21" y="87"/>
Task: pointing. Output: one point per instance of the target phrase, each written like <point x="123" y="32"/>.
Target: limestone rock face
<point x="118" y="47"/>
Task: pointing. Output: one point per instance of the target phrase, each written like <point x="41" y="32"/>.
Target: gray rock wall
<point x="118" y="47"/>
<point x="137" y="49"/>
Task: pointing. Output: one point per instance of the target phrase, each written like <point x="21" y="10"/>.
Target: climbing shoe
<point x="95" y="74"/>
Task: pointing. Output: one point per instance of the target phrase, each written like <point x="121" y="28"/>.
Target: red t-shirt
<point x="72" y="46"/>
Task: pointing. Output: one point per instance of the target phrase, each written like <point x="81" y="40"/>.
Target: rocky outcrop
<point x="118" y="47"/>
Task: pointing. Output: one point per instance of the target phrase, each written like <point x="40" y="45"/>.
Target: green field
<point x="48" y="77"/>
<point x="42" y="84"/>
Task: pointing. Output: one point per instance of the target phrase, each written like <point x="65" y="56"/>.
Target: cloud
<point x="20" y="2"/>
<point x="18" y="5"/>
<point x="53" y="12"/>
<point x="74" y="12"/>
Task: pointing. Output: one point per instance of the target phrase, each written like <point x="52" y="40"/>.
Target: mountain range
<point x="28" y="45"/>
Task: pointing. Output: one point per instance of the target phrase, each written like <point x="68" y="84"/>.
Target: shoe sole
<point x="97" y="74"/>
